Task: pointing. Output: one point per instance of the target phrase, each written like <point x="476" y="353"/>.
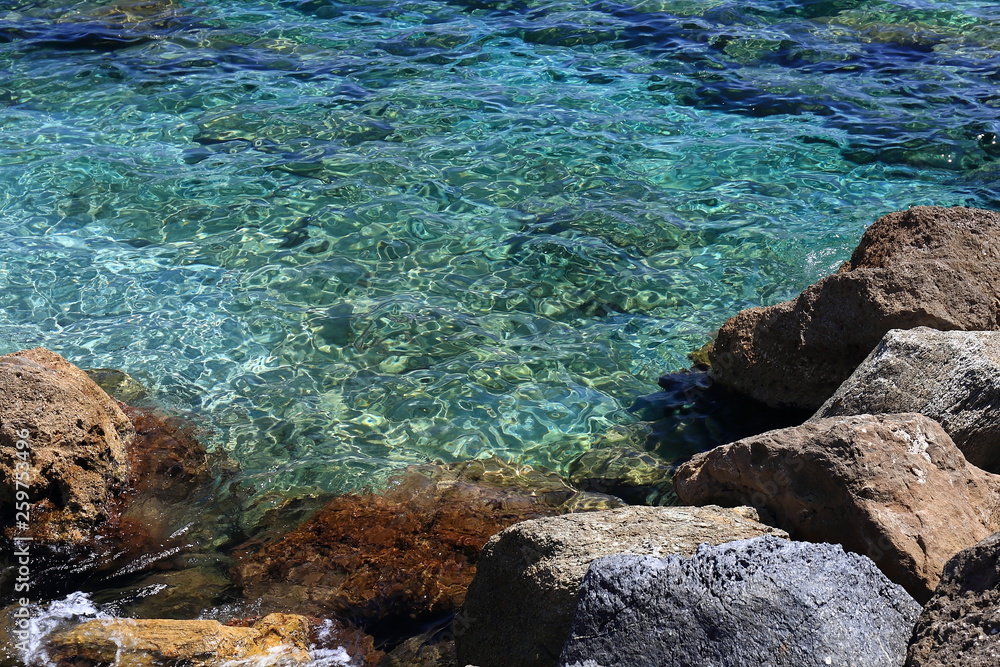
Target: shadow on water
<point x="693" y="414"/>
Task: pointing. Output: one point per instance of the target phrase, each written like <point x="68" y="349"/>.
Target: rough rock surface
<point x="405" y="556"/>
<point x="953" y="377"/>
<point x="520" y="606"/>
<point x="892" y="487"/>
<point x="77" y="439"/>
<point x="125" y="642"/>
<point x="960" y="626"/>
<point x="928" y="266"/>
<point x="763" y="601"/>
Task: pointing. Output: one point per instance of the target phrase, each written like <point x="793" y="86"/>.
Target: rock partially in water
<point x="762" y="601"/>
<point x="959" y="625"/>
<point x="928" y="266"/>
<point x="520" y="606"/>
<point x="114" y="490"/>
<point x="952" y="377"/>
<point x="65" y="444"/>
<point x="892" y="487"/>
<point x="277" y="639"/>
<point x="399" y="559"/>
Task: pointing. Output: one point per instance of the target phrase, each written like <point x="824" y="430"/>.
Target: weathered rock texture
<point x="953" y="377"/>
<point x="405" y="556"/>
<point x="76" y="446"/>
<point x="520" y="607"/>
<point x="960" y="626"/>
<point x="892" y="487"/>
<point x="762" y="601"/>
<point x="929" y="266"/>
<point x="277" y="638"/>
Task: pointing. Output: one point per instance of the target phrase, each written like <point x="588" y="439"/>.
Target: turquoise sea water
<point x="351" y="235"/>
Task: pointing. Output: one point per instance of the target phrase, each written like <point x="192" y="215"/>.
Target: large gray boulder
<point x="928" y="266"/>
<point x="762" y="601"/>
<point x="960" y="626"/>
<point x="953" y="377"/>
<point x="519" y="607"/>
<point x="892" y="487"/>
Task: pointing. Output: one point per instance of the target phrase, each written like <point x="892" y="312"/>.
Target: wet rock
<point x="118" y="384"/>
<point x="402" y="558"/>
<point x="763" y="601"/>
<point x="953" y="377"/>
<point x="958" y="626"/>
<point x="928" y="266"/>
<point x="520" y="606"/>
<point x="74" y="456"/>
<point x="638" y="477"/>
<point x="279" y="638"/>
<point x="892" y="487"/>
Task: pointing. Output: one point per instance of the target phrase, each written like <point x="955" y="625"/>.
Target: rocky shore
<point x="867" y="535"/>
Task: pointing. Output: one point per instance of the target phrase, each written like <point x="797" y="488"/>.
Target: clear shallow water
<point x="350" y="235"/>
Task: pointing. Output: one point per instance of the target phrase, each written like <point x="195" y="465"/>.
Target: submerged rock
<point x="65" y="440"/>
<point x="928" y="266"/>
<point x="892" y="487"/>
<point x="118" y="384"/>
<point x="401" y="558"/>
<point x="953" y="377"/>
<point x="636" y="476"/>
<point x="959" y="625"/>
<point x="762" y="601"/>
<point x="520" y="605"/>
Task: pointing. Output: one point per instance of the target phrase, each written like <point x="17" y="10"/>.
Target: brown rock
<point x="892" y="487"/>
<point x="929" y="266"/>
<point x="399" y="557"/>
<point x="127" y="642"/>
<point x="960" y="626"/>
<point x="77" y="438"/>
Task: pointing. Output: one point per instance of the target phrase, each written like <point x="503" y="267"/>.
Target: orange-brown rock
<point x="402" y="556"/>
<point x="125" y="642"/>
<point x="892" y="487"/>
<point x="75" y="458"/>
<point x="928" y="266"/>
